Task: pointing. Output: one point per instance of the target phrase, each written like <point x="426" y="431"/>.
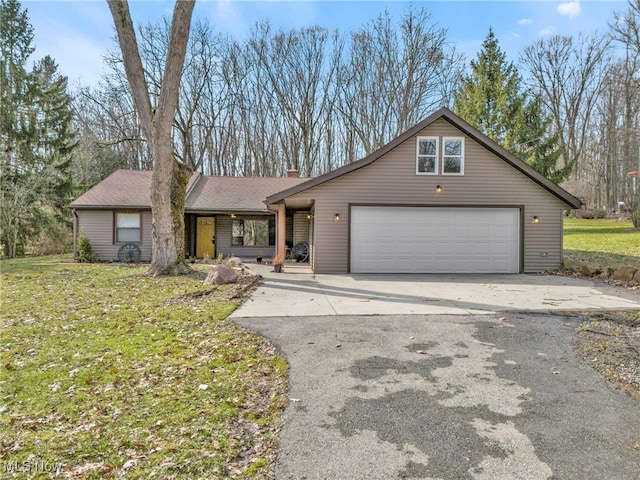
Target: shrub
<point x="85" y="250"/>
<point x="591" y="213"/>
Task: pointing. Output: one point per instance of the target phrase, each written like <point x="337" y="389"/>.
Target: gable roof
<point x="460" y="124"/>
<point x="131" y="189"/>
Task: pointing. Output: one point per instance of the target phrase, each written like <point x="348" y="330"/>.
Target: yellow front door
<point x="205" y="237"/>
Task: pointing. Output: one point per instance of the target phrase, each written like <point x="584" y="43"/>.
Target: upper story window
<point x="427" y="156"/>
<point x="453" y="156"/>
<point x="128" y="227"/>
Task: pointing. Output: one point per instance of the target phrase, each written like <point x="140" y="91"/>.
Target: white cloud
<point x="225" y="12"/>
<point x="547" y="31"/>
<point x="570" y="9"/>
<point x="525" y="21"/>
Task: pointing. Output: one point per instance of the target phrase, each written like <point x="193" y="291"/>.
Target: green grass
<point x="602" y="242"/>
<point x="109" y="373"/>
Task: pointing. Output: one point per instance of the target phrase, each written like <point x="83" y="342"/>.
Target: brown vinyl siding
<point x="98" y="226"/>
<point x="487" y="181"/>
<point x="300" y="227"/>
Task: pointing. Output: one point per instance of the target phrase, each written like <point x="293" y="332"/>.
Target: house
<point x="223" y="215"/>
<point x="440" y="198"/>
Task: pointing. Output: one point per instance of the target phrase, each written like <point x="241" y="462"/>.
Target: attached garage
<point x="398" y="239"/>
<point x="440" y="198"/>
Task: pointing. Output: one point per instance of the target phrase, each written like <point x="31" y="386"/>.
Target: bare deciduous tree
<point x="569" y="73"/>
<point x="169" y="177"/>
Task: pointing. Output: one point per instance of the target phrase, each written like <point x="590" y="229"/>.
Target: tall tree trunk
<point x="169" y="179"/>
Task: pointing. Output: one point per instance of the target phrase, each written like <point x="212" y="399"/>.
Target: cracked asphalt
<point x="493" y="396"/>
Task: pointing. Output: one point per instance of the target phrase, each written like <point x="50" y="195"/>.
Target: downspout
<point x="281" y="231"/>
<point x="75" y="234"/>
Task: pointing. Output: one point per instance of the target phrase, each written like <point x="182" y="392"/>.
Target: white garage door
<point x="435" y="240"/>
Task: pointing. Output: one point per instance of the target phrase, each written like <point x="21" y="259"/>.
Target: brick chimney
<point x="293" y="174"/>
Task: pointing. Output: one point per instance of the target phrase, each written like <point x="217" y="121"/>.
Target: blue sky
<point x="77" y="33"/>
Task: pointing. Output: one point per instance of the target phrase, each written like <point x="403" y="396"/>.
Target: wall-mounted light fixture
<point x="535" y="219"/>
<point x="233" y="215"/>
<point x="309" y="216"/>
<point x="438" y="189"/>
<point x="337" y="217"/>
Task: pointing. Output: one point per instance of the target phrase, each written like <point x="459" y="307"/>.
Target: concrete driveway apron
<point x="443" y="377"/>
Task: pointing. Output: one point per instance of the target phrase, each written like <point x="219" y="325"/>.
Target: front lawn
<point x="602" y="242"/>
<point x="107" y="373"/>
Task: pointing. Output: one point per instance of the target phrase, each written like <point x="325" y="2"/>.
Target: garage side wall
<point x="391" y="180"/>
<point x="98" y="226"/>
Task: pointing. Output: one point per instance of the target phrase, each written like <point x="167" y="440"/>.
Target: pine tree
<point x="36" y="140"/>
<point x="493" y="100"/>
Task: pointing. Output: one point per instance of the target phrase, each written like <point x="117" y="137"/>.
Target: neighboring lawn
<point x="602" y="242"/>
<point x="608" y="341"/>
<point x="109" y="373"/>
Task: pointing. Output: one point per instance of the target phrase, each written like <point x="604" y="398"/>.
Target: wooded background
<point x="312" y="99"/>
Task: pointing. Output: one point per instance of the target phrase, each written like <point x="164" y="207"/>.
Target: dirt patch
<point x="610" y="343"/>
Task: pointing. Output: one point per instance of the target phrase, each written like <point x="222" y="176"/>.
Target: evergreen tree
<point x="492" y="99"/>
<point x="36" y="139"/>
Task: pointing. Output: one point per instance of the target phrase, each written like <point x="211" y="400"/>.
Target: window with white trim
<point x="128" y="227"/>
<point x="453" y="156"/>
<point x="427" y="156"/>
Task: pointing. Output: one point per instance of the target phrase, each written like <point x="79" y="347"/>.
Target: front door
<point x="206" y="237"/>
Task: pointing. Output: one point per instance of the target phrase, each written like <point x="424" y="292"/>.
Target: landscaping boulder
<point x="607" y="272"/>
<point x="590" y="270"/>
<point x="221" y="275"/>
<point x="636" y="277"/>
<point x="624" y="274"/>
<point x="570" y="264"/>
<point x="234" y="262"/>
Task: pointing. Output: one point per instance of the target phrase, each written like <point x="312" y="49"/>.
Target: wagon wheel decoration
<point x="300" y="252"/>
<point x="129" y="253"/>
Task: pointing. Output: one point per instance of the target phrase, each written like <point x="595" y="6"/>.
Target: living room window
<point x="128" y="227"/>
<point x="253" y="232"/>
<point x="427" y="156"/>
<point x="453" y="156"/>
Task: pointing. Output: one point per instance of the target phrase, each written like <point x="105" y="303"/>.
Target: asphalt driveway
<point x="498" y="395"/>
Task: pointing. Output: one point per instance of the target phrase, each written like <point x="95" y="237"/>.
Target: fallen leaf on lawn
<point x="203" y="386"/>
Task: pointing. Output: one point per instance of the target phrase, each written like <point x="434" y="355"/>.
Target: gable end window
<point x="453" y="156"/>
<point x="128" y="227"/>
<point x="427" y="156"/>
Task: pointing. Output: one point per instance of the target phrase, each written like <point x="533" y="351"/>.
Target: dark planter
<point x="277" y="268"/>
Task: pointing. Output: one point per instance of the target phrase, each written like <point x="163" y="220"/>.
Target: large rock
<point x="624" y="274"/>
<point x="571" y="264"/>
<point x="233" y="262"/>
<point x="221" y="275"/>
<point x="607" y="272"/>
<point x="590" y="270"/>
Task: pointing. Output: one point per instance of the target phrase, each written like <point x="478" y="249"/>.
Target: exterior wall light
<point x="535" y="219"/>
<point x="309" y="216"/>
<point x="438" y="189"/>
<point x="337" y="217"/>
<point x="233" y="215"/>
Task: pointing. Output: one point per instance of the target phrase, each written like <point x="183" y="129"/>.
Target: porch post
<point x="281" y="231"/>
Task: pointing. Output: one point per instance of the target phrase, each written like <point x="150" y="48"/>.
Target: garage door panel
<point x="435" y="240"/>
